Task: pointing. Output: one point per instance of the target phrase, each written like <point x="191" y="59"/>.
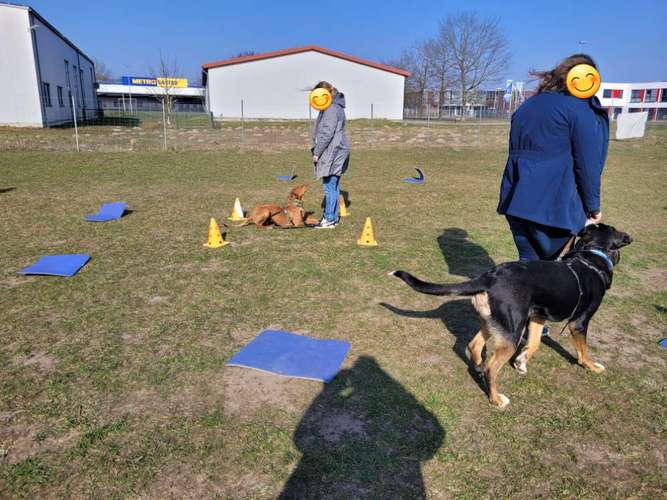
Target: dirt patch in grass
<point x="44" y="363"/>
<point x="14" y="281"/>
<point x="21" y="441"/>
<point x="655" y="279"/>
<point x="248" y="394"/>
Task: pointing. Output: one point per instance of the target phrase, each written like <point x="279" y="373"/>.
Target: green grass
<point x="113" y="385"/>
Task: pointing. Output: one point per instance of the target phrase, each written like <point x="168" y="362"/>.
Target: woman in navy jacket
<point x="551" y="185"/>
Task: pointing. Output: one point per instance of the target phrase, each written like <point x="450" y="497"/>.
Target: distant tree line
<point x="467" y="52"/>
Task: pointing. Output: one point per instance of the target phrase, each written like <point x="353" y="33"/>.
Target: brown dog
<point x="292" y="215"/>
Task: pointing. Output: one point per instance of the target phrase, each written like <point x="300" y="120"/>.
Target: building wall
<point x="635" y="97"/>
<point x="279" y="87"/>
<point x="52" y="52"/>
<point x="19" y="98"/>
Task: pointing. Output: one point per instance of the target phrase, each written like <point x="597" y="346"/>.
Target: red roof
<point x="307" y="48"/>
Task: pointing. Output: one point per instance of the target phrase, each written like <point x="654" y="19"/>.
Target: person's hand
<point x="315" y="159"/>
<point x="595" y="218"/>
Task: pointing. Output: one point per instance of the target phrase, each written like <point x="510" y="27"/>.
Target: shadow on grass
<point x="364" y="436"/>
<point x="6" y="190"/>
<point x="463" y="257"/>
<point x="460" y="318"/>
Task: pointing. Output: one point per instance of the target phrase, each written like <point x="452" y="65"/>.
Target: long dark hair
<point x="555" y="79"/>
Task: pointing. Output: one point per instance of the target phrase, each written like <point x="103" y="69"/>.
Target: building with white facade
<point x="634" y="98"/>
<point x="277" y="84"/>
<point x="43" y="75"/>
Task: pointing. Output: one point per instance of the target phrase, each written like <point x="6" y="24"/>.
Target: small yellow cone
<point x="237" y="212"/>
<point x="215" y="239"/>
<point x="367" y="239"/>
<point x="343" y="208"/>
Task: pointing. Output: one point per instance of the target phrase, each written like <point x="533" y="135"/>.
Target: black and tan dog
<point x="516" y="297"/>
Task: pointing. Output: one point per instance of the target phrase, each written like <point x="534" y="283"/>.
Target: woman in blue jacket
<point x="551" y="185"/>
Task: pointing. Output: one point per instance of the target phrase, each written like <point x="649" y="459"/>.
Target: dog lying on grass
<point x="516" y="297"/>
<point x="291" y="215"/>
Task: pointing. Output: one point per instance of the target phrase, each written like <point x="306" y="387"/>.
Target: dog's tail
<point x="467" y="288"/>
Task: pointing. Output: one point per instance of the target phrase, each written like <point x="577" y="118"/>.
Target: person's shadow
<point x="364" y="436"/>
<point x="462" y="256"/>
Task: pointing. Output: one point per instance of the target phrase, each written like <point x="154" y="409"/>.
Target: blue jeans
<point x="535" y="241"/>
<point x="331" y="194"/>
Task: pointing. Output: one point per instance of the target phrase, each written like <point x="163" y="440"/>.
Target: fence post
<point x="164" y="127"/>
<point x="242" y="123"/>
<point x="428" y="114"/>
<point x="76" y="129"/>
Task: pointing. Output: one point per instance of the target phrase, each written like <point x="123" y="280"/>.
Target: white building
<point x="634" y="98"/>
<point x="277" y="84"/>
<point x="40" y="72"/>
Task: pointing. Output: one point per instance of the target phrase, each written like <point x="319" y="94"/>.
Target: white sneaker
<point x="326" y="224"/>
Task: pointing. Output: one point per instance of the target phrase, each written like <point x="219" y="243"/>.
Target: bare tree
<point x="244" y="53"/>
<point x="415" y="61"/>
<point x="478" y="49"/>
<point x="167" y="76"/>
<point x="439" y="67"/>
<point x="102" y="73"/>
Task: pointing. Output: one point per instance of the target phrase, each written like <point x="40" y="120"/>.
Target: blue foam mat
<point x="108" y="211"/>
<point x="285" y="177"/>
<point x="419" y="179"/>
<point x="58" y="265"/>
<point x="663" y="343"/>
<point x="292" y="355"/>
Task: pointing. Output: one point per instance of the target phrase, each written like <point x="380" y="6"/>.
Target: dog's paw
<point x="391" y="273"/>
<point x="502" y="402"/>
<point x="596" y="367"/>
<point x="521" y="367"/>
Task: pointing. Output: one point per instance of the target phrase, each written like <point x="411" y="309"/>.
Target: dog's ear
<point x="621" y="239"/>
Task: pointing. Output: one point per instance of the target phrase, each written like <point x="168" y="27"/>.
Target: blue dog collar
<point x="600" y="253"/>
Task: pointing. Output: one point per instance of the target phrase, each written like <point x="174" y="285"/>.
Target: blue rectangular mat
<point x="58" y="265"/>
<point x="108" y="211"/>
<point x="291" y="355"/>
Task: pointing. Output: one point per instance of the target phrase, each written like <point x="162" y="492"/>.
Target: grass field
<point x="113" y="384"/>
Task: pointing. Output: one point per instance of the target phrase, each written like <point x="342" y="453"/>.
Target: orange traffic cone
<point x="343" y="208"/>
<point x="367" y="238"/>
<point x="215" y="239"/>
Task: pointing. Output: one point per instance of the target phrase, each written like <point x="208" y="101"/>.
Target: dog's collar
<point x="600" y="253"/>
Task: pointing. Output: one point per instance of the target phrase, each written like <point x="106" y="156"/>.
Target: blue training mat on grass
<point x="663" y="343"/>
<point x="292" y="355"/>
<point x="108" y="211"/>
<point x="58" y="265"/>
<point x="416" y="180"/>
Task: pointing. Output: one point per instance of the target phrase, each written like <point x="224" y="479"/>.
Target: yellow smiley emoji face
<point x="583" y="81"/>
<point x="320" y="99"/>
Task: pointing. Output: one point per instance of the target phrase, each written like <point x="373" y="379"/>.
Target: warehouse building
<point x="45" y="79"/>
<point x="276" y="84"/>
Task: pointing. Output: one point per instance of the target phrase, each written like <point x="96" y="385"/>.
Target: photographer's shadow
<point x="364" y="436"/>
<point x="462" y="256"/>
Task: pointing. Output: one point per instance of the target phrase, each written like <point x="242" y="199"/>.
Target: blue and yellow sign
<point x="161" y="81"/>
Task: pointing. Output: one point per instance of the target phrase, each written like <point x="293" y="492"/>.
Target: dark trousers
<point x="535" y="241"/>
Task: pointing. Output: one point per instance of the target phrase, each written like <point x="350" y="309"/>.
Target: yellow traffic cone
<point x="237" y="212"/>
<point x="367" y="239"/>
<point x="343" y="208"/>
<point x="215" y="239"/>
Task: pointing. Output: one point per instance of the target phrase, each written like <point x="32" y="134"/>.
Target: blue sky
<point x="627" y="38"/>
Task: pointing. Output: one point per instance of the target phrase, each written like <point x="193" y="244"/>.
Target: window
<point x="651" y="95"/>
<point x="46" y="90"/>
<point x="617" y="94"/>
<point x="663" y="95"/>
<point x="60" y="96"/>
<point x="606" y="94"/>
<point x="636" y="96"/>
